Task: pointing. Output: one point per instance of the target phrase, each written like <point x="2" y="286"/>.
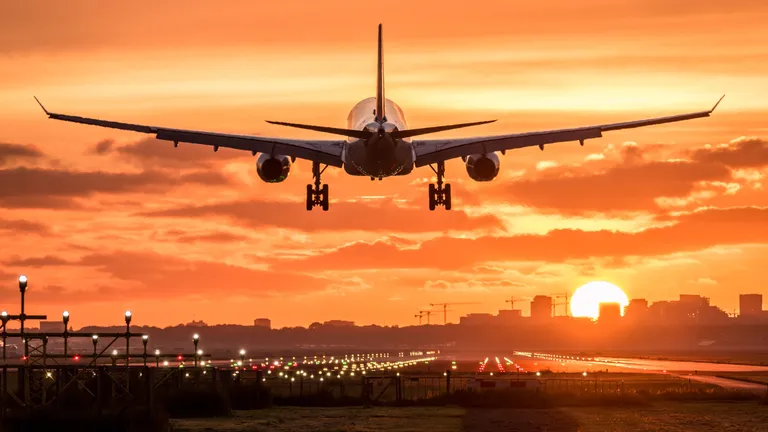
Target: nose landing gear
<point x="439" y="195"/>
<point x="317" y="194"/>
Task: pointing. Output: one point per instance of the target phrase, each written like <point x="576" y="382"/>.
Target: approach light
<point x="199" y="352"/>
<point x="242" y="352"/>
<point x="195" y="337"/>
<point x="157" y="352"/>
<point x="128" y="316"/>
<point x="65" y="317"/>
<point x="114" y="352"/>
<point x="22" y="283"/>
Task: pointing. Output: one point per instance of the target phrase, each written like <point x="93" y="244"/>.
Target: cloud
<point x="692" y="232"/>
<point x="24" y="227"/>
<point x="704" y="281"/>
<point x="51" y="188"/>
<point x="637" y="184"/>
<point x="13" y="152"/>
<point x="151" y="153"/>
<point x="384" y="215"/>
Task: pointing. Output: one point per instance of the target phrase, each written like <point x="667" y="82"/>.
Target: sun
<point x="587" y="298"/>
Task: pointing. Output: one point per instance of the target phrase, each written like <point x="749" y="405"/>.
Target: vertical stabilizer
<point x="381" y="114"/>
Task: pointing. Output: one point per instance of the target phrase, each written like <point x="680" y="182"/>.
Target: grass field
<point x="669" y="417"/>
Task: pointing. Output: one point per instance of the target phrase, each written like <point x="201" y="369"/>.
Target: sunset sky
<point x="102" y="220"/>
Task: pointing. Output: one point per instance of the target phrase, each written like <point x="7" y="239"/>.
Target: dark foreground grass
<point x="657" y="417"/>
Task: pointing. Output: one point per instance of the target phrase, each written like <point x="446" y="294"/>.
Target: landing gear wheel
<point x="324" y="199"/>
<point x="439" y="195"/>
<point x="432" y="194"/>
<point x="317" y="194"/>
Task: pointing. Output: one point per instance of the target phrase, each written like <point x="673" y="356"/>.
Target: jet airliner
<point x="377" y="143"/>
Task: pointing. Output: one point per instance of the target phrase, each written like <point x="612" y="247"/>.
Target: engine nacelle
<point x="483" y="167"/>
<point x="273" y="169"/>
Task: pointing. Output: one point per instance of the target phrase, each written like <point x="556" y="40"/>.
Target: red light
<point x="77" y="357"/>
<point x="180" y="358"/>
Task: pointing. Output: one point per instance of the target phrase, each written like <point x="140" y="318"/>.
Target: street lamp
<point x="128" y="316"/>
<point x="95" y="340"/>
<point x="65" y="318"/>
<point x="22" y="290"/>
<point x="195" y="340"/>
<point x="144" y="340"/>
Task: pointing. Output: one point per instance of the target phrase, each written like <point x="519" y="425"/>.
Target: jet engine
<point x="483" y="167"/>
<point x="273" y="169"/>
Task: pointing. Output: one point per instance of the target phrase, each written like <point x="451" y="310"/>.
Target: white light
<point x="22" y="279"/>
<point x="4" y="314"/>
<point x="242" y="352"/>
<point x="165" y="363"/>
<point x="65" y="314"/>
<point x="114" y="352"/>
<point x="157" y="352"/>
<point x="195" y="336"/>
<point x="199" y="352"/>
<point x="145" y="337"/>
<point x="128" y="314"/>
<point x="95" y="337"/>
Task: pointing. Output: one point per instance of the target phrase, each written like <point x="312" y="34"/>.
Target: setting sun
<point x="587" y="298"/>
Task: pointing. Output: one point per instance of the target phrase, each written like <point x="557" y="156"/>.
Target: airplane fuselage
<point x="380" y="155"/>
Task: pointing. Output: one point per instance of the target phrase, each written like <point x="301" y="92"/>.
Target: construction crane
<point x="556" y="303"/>
<point x="445" y="308"/>
<point x="511" y="301"/>
<point x="420" y="315"/>
<point x="428" y="313"/>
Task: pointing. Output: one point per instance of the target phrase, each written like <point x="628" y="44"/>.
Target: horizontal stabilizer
<point x="428" y="130"/>
<point x="362" y="134"/>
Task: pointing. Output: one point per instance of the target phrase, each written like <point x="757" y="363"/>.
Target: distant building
<point x="541" y="308"/>
<point x="262" y="322"/>
<point x="478" y="319"/>
<point x="508" y="314"/>
<point x="609" y="313"/>
<point x="51" y="326"/>
<point x="339" y="323"/>
<point x="750" y="305"/>
<point x="636" y="310"/>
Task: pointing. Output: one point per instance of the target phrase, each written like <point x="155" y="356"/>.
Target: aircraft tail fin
<point x="381" y="115"/>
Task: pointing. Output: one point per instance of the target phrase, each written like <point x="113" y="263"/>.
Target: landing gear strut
<point x="439" y="195"/>
<point x="317" y="195"/>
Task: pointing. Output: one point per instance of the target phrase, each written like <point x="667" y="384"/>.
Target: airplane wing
<point x="438" y="150"/>
<point x="327" y="152"/>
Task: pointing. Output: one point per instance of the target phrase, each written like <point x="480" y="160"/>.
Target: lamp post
<point x="95" y="340"/>
<point x="4" y="317"/>
<point x="128" y="316"/>
<point x="157" y="358"/>
<point x="65" y="319"/>
<point x="144" y="340"/>
<point x="242" y="356"/>
<point x="199" y="356"/>
<point x="22" y="317"/>
<point x="196" y="340"/>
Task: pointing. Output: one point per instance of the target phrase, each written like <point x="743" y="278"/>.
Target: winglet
<point x="41" y="105"/>
<point x="718" y="103"/>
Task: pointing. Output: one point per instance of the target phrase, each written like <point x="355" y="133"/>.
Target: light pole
<point x="4" y="318"/>
<point x="157" y="358"/>
<point x="114" y="357"/>
<point x="242" y="356"/>
<point x="22" y="317"/>
<point x="199" y="356"/>
<point x="196" y="340"/>
<point x="65" y="318"/>
<point x="128" y="316"/>
<point x="144" y="340"/>
<point x="95" y="340"/>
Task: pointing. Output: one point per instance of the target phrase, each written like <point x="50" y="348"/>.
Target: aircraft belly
<point x="358" y="161"/>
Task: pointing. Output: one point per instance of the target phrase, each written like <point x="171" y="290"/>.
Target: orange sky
<point x="102" y="220"/>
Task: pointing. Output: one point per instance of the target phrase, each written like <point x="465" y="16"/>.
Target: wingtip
<point x="716" y="104"/>
<point x="41" y="105"/>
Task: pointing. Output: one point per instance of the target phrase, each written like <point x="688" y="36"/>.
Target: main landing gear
<point x="439" y="195"/>
<point x="317" y="195"/>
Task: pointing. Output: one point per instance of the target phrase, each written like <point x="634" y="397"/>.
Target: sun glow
<point x="587" y="298"/>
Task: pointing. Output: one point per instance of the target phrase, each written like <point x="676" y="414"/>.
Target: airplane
<point x="377" y="143"/>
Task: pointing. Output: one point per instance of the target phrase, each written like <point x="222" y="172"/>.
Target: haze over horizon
<point x="102" y="221"/>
